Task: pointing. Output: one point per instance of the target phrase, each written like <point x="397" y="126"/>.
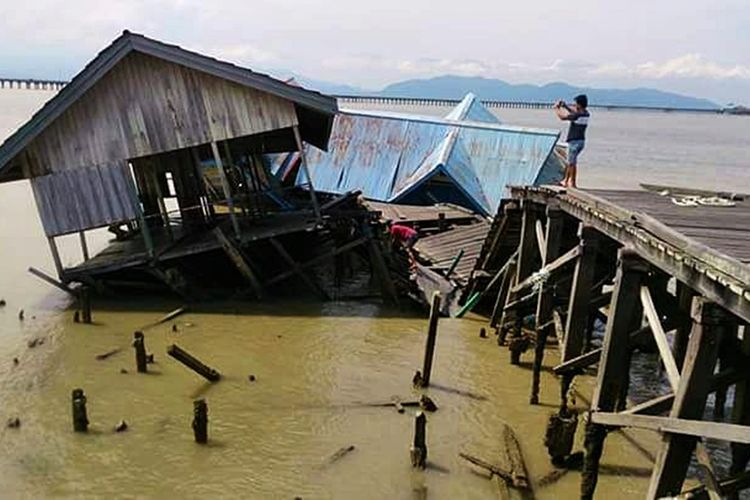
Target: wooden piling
<point x="614" y="364"/>
<point x="418" y="450"/>
<point x="193" y="363"/>
<point x="84" y="299"/>
<point x="141" y="359"/>
<point x="429" y="350"/>
<point x="200" y="421"/>
<point x="80" y="417"/>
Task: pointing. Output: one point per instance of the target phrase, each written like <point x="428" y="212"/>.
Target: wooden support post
<point x="685" y="296"/>
<point x="614" y="365"/>
<point x="544" y="323"/>
<point x="160" y="200"/>
<point x="303" y="159"/>
<point x="84" y="245"/>
<point x="527" y="247"/>
<point x="379" y="266"/>
<point x="418" y="450"/>
<point x="80" y="417"/>
<point x="227" y="189"/>
<point x="580" y="295"/>
<point x="193" y="363"/>
<point x="55" y="256"/>
<point x="148" y="241"/>
<point x="141" y="360"/>
<point x="662" y="342"/>
<point x="502" y="293"/>
<point x="741" y="412"/>
<point x="84" y="299"/>
<point x="235" y="255"/>
<point x="709" y="324"/>
<point x="200" y="421"/>
<point x="429" y="350"/>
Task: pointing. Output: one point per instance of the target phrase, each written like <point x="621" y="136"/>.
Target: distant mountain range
<point x="455" y="87"/>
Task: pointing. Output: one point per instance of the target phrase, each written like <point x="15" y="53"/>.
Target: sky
<point x="694" y="47"/>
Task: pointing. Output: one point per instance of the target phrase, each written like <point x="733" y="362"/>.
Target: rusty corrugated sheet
<point x="388" y="155"/>
<point x="440" y="249"/>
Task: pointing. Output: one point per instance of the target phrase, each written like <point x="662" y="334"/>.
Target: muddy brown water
<point x="316" y="365"/>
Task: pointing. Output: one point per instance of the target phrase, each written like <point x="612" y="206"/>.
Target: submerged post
<point x="80" y="418"/>
<point x="141" y="361"/>
<point x="429" y="350"/>
<point x="419" y="447"/>
<point x="85" y="302"/>
<point x="200" y="421"/>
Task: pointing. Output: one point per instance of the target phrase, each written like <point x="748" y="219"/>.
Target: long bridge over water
<point x="426" y="101"/>
<point x="36" y="84"/>
<point x="31" y="84"/>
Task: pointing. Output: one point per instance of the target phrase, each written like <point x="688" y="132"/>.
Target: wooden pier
<point x="31" y="84"/>
<point x="664" y="274"/>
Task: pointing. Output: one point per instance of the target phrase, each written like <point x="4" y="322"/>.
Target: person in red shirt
<point x="407" y="237"/>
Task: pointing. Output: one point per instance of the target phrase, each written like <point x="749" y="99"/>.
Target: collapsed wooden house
<point x="164" y="147"/>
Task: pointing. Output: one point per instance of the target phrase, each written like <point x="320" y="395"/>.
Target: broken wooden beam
<point x="200" y="421"/>
<point x="52" y="281"/>
<point x="492" y="469"/>
<point x="141" y="360"/>
<point x="548" y="269"/>
<point x="429" y="350"/>
<point x="193" y="363"/>
<point x="80" y="417"/>
<point x="418" y="450"/>
<point x="235" y="255"/>
<point x="518" y="471"/>
<point x="298" y="270"/>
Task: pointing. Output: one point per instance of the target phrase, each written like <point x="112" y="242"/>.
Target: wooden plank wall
<point x="75" y="200"/>
<point x="146" y="105"/>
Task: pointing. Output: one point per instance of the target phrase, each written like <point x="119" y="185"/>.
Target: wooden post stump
<point x="429" y="350"/>
<point x="80" y="417"/>
<point x="419" y="448"/>
<point x="560" y="434"/>
<point x="200" y="421"/>
<point x="85" y="303"/>
<point x="141" y="360"/>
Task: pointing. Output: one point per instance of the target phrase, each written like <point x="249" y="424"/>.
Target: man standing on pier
<point x="578" y="116"/>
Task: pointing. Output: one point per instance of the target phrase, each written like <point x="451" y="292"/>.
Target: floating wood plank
<point x="518" y="472"/>
<point x="167" y="317"/>
<point x="493" y="469"/>
<point x="193" y="363"/>
<point x="235" y="255"/>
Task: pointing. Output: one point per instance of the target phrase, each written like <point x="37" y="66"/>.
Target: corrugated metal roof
<point x="315" y="109"/>
<point x="389" y="155"/>
<point x="440" y="249"/>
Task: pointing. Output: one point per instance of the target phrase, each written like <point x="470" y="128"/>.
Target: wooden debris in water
<point x="193" y="363"/>
<point x="13" y="423"/>
<point x="139" y="345"/>
<point x="560" y="433"/>
<point x="20" y="315"/>
<point x="200" y="421"/>
<point x="492" y="469"/>
<point x="2" y="303"/>
<point x="84" y="300"/>
<point x="397" y="404"/>
<point x="483" y="333"/>
<point x="427" y="404"/>
<point x="121" y="426"/>
<point x="167" y="317"/>
<point x="416" y="380"/>
<point x="517" y="464"/>
<point x="418" y="450"/>
<point x="80" y="417"/>
<point x="341" y="453"/>
<point x="105" y="355"/>
<point x="35" y="342"/>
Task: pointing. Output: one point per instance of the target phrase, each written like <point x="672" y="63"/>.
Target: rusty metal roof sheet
<point x="389" y="155"/>
<point x="440" y="249"/>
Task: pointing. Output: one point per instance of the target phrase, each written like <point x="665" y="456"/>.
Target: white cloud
<point x="687" y="66"/>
